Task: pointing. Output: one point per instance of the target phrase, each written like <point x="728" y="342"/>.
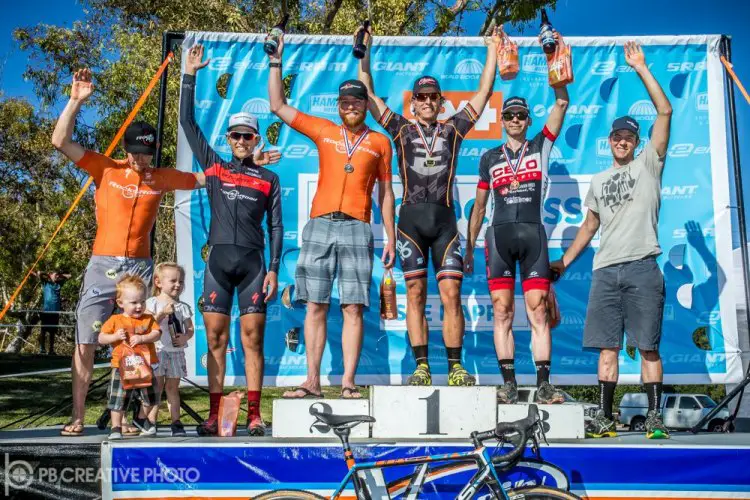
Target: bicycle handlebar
<point x="522" y="427"/>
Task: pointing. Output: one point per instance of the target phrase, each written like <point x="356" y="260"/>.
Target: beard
<point x="353" y="122"/>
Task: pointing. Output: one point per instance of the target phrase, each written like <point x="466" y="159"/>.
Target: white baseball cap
<point x="243" y="119"/>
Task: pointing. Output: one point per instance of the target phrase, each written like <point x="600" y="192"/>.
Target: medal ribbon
<point x="350" y="150"/>
<point x="514" y="168"/>
<point x="431" y="146"/>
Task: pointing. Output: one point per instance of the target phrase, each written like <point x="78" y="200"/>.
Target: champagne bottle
<point x="175" y="328"/>
<point x="360" y="48"/>
<point x="546" y="35"/>
<point x="272" y="42"/>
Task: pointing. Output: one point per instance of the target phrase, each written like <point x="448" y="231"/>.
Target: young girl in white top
<point x="176" y="321"/>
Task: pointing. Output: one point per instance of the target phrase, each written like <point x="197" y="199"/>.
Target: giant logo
<point x="488" y="126"/>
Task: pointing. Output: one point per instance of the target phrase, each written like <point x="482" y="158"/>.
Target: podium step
<point x="563" y="421"/>
<point x="292" y="419"/>
<point x="409" y="412"/>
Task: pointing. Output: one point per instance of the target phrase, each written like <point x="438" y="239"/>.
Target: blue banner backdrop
<point x="699" y="342"/>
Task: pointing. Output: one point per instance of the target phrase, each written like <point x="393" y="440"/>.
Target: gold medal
<point x="430" y="162"/>
<point x="515" y="185"/>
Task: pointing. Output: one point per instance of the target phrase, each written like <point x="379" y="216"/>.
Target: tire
<point x="540" y="493"/>
<point x="288" y="495"/>
<point x="638" y="424"/>
<point x="716" y="425"/>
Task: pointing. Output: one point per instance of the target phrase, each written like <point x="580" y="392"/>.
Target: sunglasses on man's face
<point x="521" y="115"/>
<point x="422" y="97"/>
<point x="248" y="136"/>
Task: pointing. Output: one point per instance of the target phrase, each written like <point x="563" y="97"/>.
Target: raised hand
<point x="498" y="37"/>
<point x="634" y="54"/>
<point x="261" y="158"/>
<point x="695" y="234"/>
<point x="276" y="56"/>
<point x="195" y="60"/>
<point x="82" y="87"/>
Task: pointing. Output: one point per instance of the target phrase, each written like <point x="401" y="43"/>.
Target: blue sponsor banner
<point x="236" y="470"/>
<point x="699" y="341"/>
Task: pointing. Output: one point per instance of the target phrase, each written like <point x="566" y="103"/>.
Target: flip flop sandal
<point x="130" y="430"/>
<point x="308" y="394"/>
<point x="75" y="429"/>
<point x="350" y="391"/>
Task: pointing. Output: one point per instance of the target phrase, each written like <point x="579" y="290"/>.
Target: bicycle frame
<point x="480" y="456"/>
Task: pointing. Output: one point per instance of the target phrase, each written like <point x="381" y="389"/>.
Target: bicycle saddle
<point x="339" y="420"/>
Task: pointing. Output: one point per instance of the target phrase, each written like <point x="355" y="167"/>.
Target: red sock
<point x="215" y="398"/>
<point x="253" y="404"/>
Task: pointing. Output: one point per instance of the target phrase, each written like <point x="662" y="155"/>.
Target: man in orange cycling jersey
<point x="337" y="242"/>
<point x="127" y="196"/>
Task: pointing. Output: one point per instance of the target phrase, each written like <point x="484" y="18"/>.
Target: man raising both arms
<point x="627" y="287"/>
<point x="516" y="173"/>
<point x="337" y="242"/>
<point x="427" y="156"/>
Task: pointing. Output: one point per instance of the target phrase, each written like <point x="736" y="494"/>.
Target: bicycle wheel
<point x="540" y="493"/>
<point x="289" y="495"/>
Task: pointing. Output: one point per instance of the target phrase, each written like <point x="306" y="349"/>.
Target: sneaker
<point x="148" y="429"/>
<point x="115" y="433"/>
<point x="548" y="394"/>
<point x="256" y="427"/>
<point x="600" y="426"/>
<point x="507" y="394"/>
<point x="140" y="423"/>
<point x="209" y="428"/>
<point x="178" y="430"/>
<point x="655" y="428"/>
<point x="458" y="376"/>
<point x="421" y="375"/>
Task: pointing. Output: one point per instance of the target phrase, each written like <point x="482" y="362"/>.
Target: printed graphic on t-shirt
<point x="618" y="190"/>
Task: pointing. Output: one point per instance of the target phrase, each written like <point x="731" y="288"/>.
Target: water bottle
<point x="272" y="42"/>
<point x="360" y="48"/>
<point x="547" y="35"/>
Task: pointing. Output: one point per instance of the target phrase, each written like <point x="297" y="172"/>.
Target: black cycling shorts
<point x="427" y="226"/>
<point x="230" y="268"/>
<point x="522" y="242"/>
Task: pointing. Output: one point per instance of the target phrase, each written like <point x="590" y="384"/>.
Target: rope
<point x="82" y="192"/>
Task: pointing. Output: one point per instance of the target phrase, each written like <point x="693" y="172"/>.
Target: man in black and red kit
<point x="516" y="173"/>
<point x="241" y="193"/>
<point x="427" y="160"/>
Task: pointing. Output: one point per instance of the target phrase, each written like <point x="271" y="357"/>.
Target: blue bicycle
<point x="369" y="484"/>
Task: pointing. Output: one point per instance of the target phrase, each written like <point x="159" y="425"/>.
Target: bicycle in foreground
<point x="369" y="484"/>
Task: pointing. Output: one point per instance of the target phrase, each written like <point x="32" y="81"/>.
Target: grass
<point x="23" y="395"/>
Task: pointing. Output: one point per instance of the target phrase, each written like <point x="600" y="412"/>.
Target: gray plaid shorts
<point x="172" y="364"/>
<point x="118" y="396"/>
<point x="335" y="249"/>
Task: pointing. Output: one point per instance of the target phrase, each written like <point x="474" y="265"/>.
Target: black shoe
<point x="548" y="394"/>
<point x="178" y="430"/>
<point x="141" y="424"/>
<point x="601" y="426"/>
<point x="507" y="394"/>
<point x="103" y="420"/>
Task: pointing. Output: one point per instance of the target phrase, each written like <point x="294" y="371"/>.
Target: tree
<point x="120" y="40"/>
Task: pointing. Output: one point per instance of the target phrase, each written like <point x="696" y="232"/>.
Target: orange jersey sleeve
<point x="308" y="125"/>
<point x="170" y="179"/>
<point x="384" y="168"/>
<point x="95" y="164"/>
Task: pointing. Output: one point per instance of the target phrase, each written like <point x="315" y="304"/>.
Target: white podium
<point x="563" y="421"/>
<point x="410" y="412"/>
<point x="292" y="419"/>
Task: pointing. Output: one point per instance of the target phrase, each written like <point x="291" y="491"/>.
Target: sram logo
<point x="686" y="66"/>
<point x="488" y="125"/>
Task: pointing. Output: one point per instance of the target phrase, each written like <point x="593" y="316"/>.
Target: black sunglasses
<point x="248" y="136"/>
<point x="422" y="97"/>
<point x="521" y="115"/>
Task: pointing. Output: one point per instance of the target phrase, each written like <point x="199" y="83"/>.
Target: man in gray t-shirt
<point x="627" y="288"/>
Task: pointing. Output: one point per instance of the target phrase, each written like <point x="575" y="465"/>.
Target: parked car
<point x="679" y="411"/>
<point x="526" y="395"/>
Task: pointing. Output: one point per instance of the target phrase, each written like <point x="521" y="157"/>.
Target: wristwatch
<point x="274" y="64"/>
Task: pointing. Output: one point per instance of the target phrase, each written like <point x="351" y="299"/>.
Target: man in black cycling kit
<point x="240" y="194"/>
<point x="427" y="157"/>
<point x="516" y="173"/>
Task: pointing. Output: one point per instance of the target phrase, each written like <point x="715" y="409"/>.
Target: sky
<point x="571" y="17"/>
